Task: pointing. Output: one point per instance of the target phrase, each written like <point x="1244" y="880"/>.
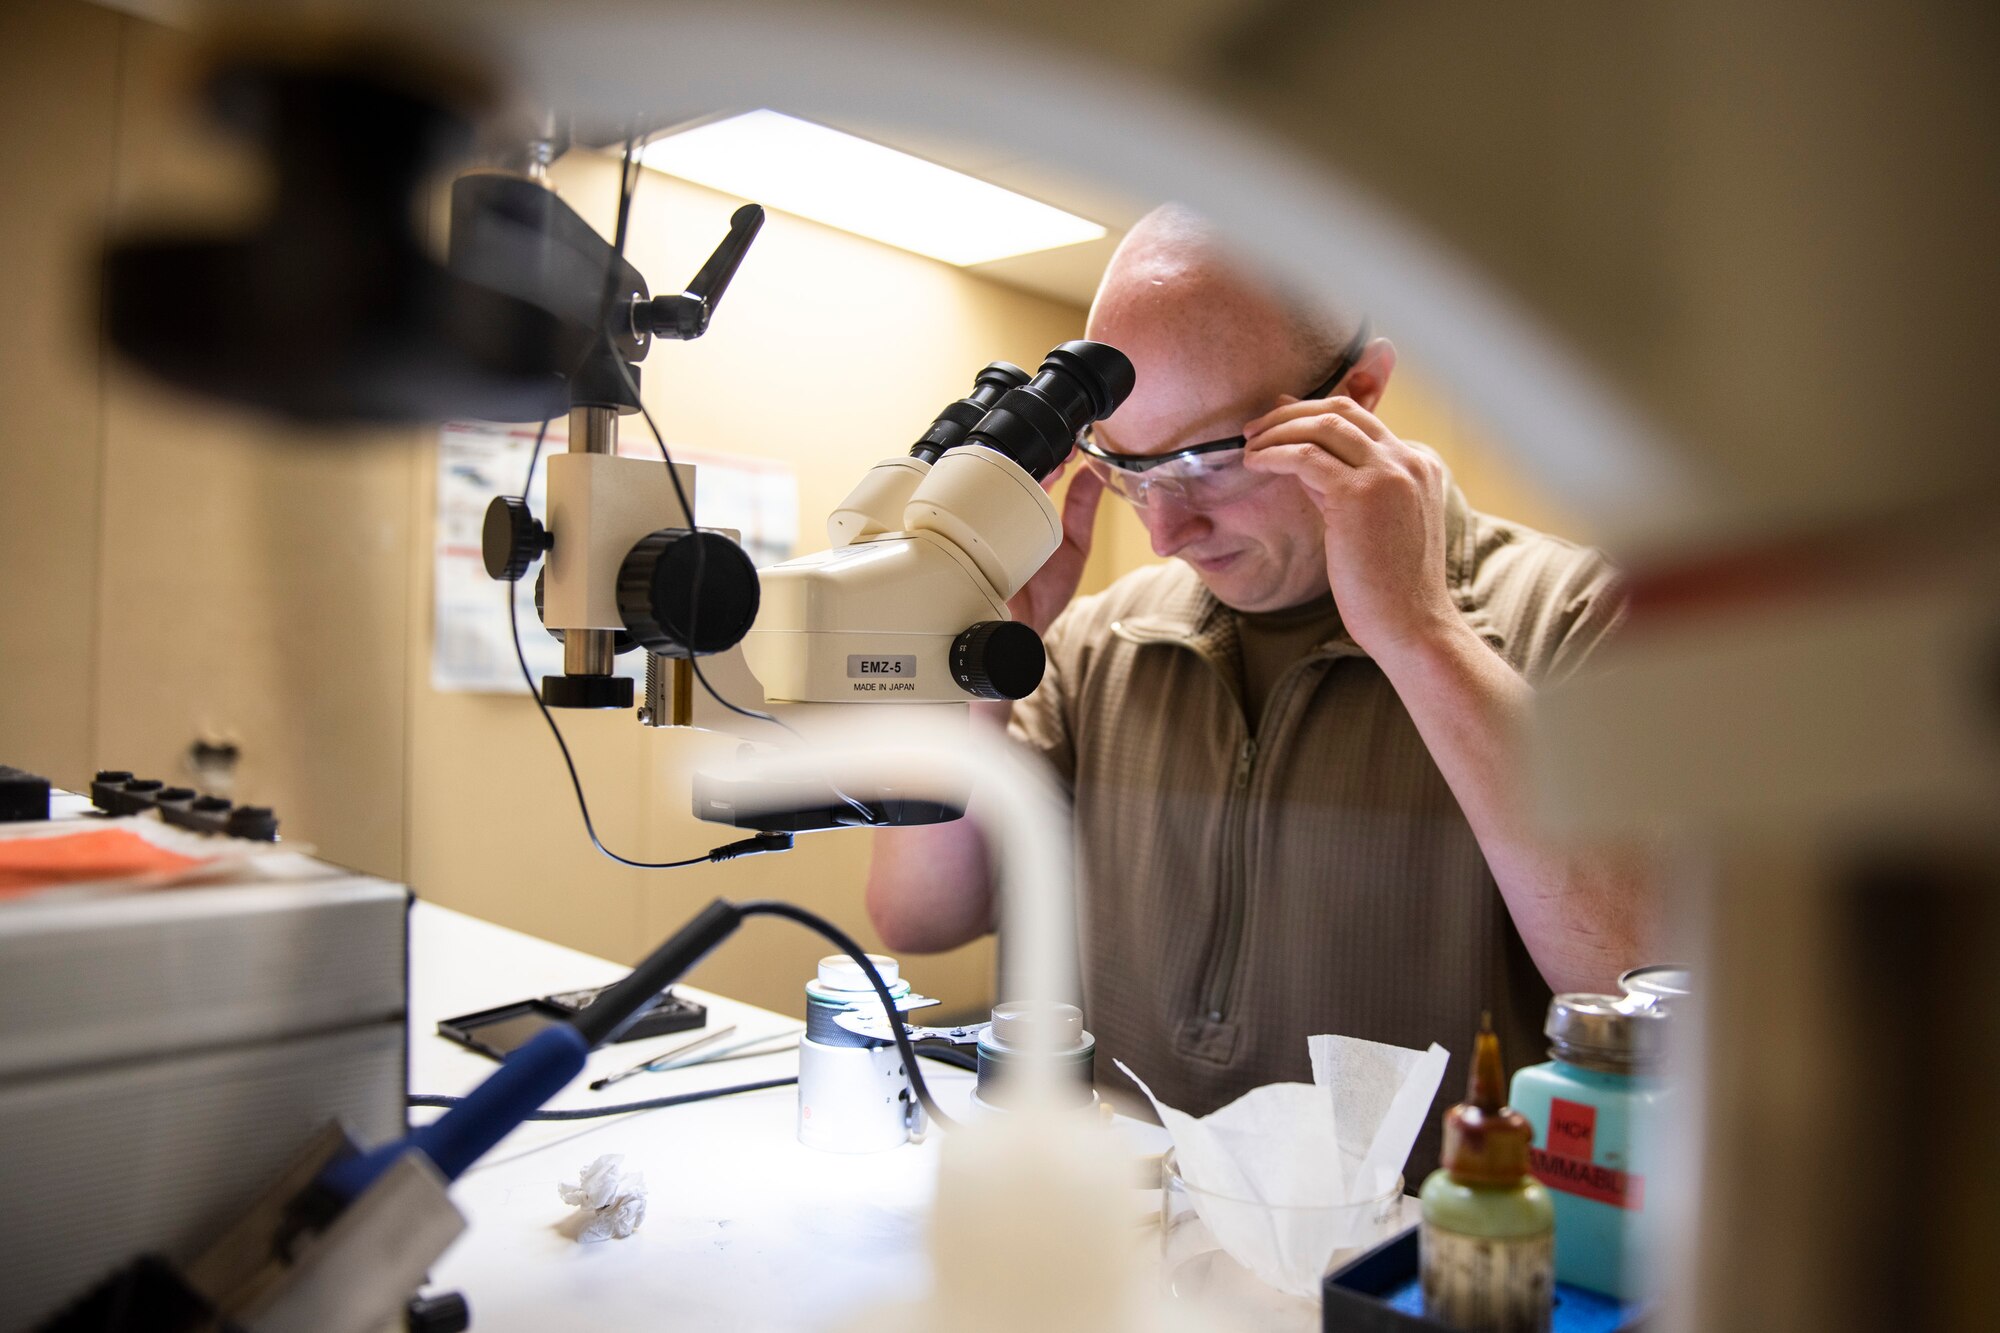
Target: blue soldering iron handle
<point x="527" y="1079"/>
<point x="522" y="1086"/>
<point x="541" y="1068"/>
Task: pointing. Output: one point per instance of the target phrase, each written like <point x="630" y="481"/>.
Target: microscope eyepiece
<point x="1101" y="369"/>
<point x="1037" y="423"/>
<point x="956" y="421"/>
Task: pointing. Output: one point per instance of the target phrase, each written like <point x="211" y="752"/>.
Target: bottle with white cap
<point x="1051" y="1031"/>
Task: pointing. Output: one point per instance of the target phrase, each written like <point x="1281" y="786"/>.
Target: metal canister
<point x="854" y="1092"/>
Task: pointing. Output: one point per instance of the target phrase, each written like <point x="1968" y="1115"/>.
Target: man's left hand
<point x="1383" y="500"/>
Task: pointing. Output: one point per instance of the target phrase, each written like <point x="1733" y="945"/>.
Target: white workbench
<point x="745" y="1227"/>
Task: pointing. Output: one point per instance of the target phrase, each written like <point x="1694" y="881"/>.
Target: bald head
<point x="1215" y="347"/>
<point x="1184" y="309"/>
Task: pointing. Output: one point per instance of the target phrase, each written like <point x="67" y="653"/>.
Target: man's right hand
<point x="1045" y="595"/>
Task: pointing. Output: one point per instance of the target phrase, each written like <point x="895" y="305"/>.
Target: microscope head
<point x="910" y="604"/>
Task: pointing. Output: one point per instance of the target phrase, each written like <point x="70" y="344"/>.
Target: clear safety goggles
<point x="1198" y="480"/>
<point x="1202" y="475"/>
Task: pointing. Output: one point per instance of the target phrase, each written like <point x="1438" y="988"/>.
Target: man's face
<point x="1261" y="551"/>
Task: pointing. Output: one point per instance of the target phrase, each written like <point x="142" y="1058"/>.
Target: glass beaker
<point x="1256" y="1260"/>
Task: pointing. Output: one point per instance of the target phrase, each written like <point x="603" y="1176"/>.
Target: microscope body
<point x="905" y="605"/>
<point x="909" y="602"/>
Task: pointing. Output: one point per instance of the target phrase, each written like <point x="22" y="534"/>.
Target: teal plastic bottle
<point x="1596" y="1108"/>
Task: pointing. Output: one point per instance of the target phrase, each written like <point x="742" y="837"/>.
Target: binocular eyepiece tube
<point x="1034" y="421"/>
<point x="956" y="422"/>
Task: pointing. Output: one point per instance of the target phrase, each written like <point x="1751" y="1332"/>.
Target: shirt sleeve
<point x="1042" y="721"/>
<point x="1593" y="608"/>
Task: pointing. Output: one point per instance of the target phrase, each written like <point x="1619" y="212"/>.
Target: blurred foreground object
<point x="165" y="1051"/>
<point x="329" y="308"/>
<point x="1821" y="722"/>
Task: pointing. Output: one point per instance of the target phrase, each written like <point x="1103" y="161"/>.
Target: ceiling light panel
<point x="865" y="188"/>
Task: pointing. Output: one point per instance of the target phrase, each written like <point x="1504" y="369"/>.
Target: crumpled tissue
<point x="1270" y="1169"/>
<point x="609" y="1204"/>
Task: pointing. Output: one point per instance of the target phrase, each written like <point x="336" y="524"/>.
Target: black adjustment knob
<point x="670" y="611"/>
<point x="998" y="659"/>
<point x="446" y="1312"/>
<point x="513" y="538"/>
<point x="258" y="823"/>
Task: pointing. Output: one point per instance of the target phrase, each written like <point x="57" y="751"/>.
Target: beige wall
<point x="179" y="571"/>
<point x="58" y="83"/>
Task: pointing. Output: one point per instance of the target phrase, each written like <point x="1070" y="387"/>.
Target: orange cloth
<point x="28" y="864"/>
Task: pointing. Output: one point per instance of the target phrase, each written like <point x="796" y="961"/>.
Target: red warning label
<point x="1566" y="1163"/>
<point x="1572" y="1129"/>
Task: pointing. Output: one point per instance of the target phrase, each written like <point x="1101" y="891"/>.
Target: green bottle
<point x="1488" y="1238"/>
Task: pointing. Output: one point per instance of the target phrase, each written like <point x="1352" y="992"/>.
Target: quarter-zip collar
<point x="1193" y="618"/>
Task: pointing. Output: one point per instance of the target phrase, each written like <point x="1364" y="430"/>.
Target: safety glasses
<point x="1202" y="475"/>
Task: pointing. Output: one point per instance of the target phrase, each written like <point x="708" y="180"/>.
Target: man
<point x="1294" y="749"/>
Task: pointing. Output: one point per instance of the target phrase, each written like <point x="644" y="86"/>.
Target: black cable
<point x="846" y="944"/>
<point x="628" y="182"/>
<point x="949" y="1055"/>
<point x="762" y="842"/>
<point x="623" y="1108"/>
<point x="942" y="1054"/>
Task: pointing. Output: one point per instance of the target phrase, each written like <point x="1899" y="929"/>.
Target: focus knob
<point x="998" y="659"/>
<point x="513" y="538"/>
<point x="687" y="594"/>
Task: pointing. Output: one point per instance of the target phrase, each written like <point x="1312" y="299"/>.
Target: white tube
<point x="1016" y="803"/>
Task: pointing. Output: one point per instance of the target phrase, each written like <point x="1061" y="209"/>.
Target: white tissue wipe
<point x="1270" y="1170"/>
<point x="610" y="1204"/>
<point x="619" y="1218"/>
<point x="597" y="1184"/>
<point x="1380" y="1097"/>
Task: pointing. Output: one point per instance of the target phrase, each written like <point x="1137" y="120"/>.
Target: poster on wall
<point x="470" y="645"/>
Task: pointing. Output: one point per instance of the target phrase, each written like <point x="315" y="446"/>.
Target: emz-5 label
<point x="882" y="675"/>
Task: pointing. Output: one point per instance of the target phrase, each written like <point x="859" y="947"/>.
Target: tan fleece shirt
<point x="1246" y="886"/>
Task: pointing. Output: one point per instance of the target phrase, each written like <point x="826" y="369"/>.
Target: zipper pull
<point x="1244" y="758"/>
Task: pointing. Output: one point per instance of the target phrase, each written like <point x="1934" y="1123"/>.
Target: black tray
<point x="1377" y="1293"/>
<point x="496" y="1032"/>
